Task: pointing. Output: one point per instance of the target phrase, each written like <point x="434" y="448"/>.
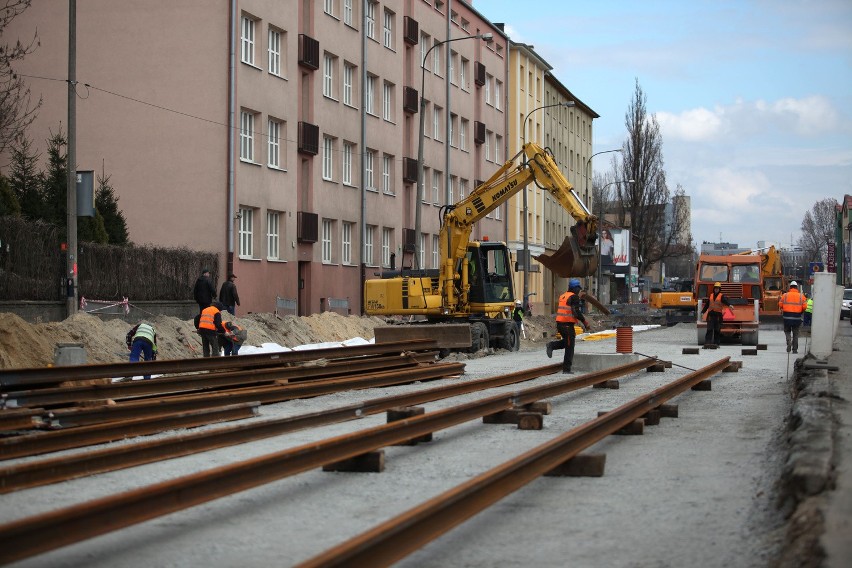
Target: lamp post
<point x="600" y="225"/>
<point x="489" y="37"/>
<point x="566" y="104"/>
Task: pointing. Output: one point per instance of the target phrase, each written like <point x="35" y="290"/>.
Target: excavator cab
<point x="577" y="256"/>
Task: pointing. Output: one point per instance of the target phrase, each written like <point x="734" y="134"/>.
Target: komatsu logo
<point x="504" y="191"/>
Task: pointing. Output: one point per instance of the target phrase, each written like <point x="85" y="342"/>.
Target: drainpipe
<point x="232" y="99"/>
<point x="364" y="151"/>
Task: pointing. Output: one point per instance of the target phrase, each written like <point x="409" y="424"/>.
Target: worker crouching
<point x="142" y="342"/>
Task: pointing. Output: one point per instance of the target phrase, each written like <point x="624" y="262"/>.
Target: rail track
<point x="48" y="531"/>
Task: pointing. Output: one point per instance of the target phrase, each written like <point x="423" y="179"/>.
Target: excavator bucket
<point x="576" y="257"/>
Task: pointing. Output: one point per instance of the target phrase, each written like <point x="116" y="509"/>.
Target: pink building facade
<point x="281" y="134"/>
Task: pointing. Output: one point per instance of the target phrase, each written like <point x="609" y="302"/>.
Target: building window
<point x="348" y="82"/>
<point x="463" y="73"/>
<point x="488" y="135"/>
<point x="346" y="242"/>
<point x="272" y="235"/>
<point x="437" y="58"/>
<point x="452" y="70"/>
<point x="498" y="93"/>
<point x="498" y="144"/>
<point x="387" y="235"/>
<point x="247" y="136"/>
<point x="371" y="93"/>
<point x="463" y="134"/>
<point x="368" y="244"/>
<point x="246" y="233"/>
<point x="436" y="122"/>
<point x="462" y="188"/>
<point x="274" y="144"/>
<point x="425" y="40"/>
<point x="328" y="7"/>
<point x="488" y="79"/>
<point x="348" y="150"/>
<point x="421" y="250"/>
<point x="387" y="101"/>
<point x="436" y="251"/>
<point x="436" y="187"/>
<point x="247" y="40"/>
<point x="368" y="170"/>
<point x="371" y="19"/>
<point x="327" y="158"/>
<point x="329" y="62"/>
<point x="426" y="173"/>
<point x="348" y="12"/>
<point x="454" y="119"/>
<point x="451" y="189"/>
<point x="388" y="29"/>
<point x="327" y="228"/>
<point x="275" y="52"/>
<point x="387" y="170"/>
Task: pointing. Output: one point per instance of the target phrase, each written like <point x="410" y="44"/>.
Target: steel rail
<point x="23" y="419"/>
<point x="80" y="417"/>
<point x="55" y="529"/>
<point x="396" y="538"/>
<point x="45" y="442"/>
<point x="52" y="470"/>
<point x="46" y="397"/>
<point x="54" y="375"/>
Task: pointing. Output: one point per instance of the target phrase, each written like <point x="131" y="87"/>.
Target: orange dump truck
<point x="742" y="283"/>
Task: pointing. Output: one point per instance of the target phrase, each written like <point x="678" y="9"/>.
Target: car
<point x="846" y="307"/>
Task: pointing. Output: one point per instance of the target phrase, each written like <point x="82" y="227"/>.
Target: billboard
<point x="615" y="247"/>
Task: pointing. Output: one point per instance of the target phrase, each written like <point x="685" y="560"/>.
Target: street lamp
<point x="600" y="228"/>
<point x="489" y="37"/>
<point x="566" y="104"/>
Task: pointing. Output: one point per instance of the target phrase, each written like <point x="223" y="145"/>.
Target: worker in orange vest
<point x="792" y="304"/>
<point x="567" y="315"/>
<point x="714" y="308"/>
<point x="209" y="326"/>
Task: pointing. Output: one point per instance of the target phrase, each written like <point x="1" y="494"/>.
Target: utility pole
<point x="71" y="258"/>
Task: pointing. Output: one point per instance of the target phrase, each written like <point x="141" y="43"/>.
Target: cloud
<point x="807" y="117"/>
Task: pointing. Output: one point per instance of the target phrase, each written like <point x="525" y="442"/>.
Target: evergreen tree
<point x="55" y="183"/>
<point x="8" y="201"/>
<point x="91" y="229"/>
<point x="106" y="204"/>
<point x="25" y="179"/>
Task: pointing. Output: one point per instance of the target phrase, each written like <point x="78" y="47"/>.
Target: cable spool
<point x="624" y="339"/>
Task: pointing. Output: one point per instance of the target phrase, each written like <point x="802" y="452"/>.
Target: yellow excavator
<point x="474" y="282"/>
<point x="774" y="281"/>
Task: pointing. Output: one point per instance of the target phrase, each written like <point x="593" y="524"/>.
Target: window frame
<point x="273" y="143"/>
<point x="273" y="235"/>
<point x="247" y="135"/>
<point x="274" y="52"/>
<point x="326" y="240"/>
<point x="248" y="43"/>
<point x="246" y="233"/>
<point x="346" y="242"/>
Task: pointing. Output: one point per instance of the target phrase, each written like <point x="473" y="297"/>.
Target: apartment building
<point x="538" y="113"/>
<point x="281" y="134"/>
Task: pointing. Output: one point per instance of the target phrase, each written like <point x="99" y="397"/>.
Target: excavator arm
<point x="576" y="257"/>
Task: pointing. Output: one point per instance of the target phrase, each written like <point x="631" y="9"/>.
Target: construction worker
<point x="792" y="305"/>
<point x="233" y="339"/>
<point x="568" y="314"/>
<point x="518" y="316"/>
<point x="809" y="310"/>
<point x="714" y="308"/>
<point x="209" y="326"/>
<point x="228" y="294"/>
<point x="142" y="342"/>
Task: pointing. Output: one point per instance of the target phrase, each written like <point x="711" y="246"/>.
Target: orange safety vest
<point x="715" y="304"/>
<point x="565" y="313"/>
<point x="207" y="319"/>
<point x="793" y="301"/>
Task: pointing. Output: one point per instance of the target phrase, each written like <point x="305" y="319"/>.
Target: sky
<point x="753" y="97"/>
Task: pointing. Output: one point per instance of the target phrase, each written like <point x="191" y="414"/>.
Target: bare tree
<point x="818" y="229"/>
<point x="658" y="220"/>
<point x="17" y="110"/>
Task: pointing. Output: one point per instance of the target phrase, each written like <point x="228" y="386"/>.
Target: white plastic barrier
<point x="827" y="298"/>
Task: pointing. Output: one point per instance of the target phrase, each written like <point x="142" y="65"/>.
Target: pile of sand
<point x="33" y="345"/>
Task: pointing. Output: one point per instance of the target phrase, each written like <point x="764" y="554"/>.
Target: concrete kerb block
<point x="370" y="462"/>
<point x="733" y="367"/>
<point x="582" y="465"/>
<point x="690" y="350"/>
<point x="752" y="351"/>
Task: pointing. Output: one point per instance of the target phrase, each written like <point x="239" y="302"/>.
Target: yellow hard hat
<point x="717" y="285"/>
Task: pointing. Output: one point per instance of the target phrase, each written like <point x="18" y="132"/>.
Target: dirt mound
<point x="25" y="345"/>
